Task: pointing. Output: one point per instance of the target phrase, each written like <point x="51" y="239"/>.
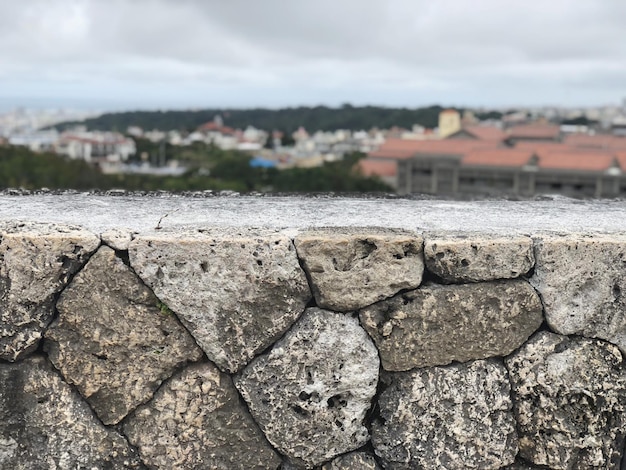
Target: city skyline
<point x="153" y="54"/>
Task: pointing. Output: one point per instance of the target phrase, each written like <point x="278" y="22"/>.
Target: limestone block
<point x="455" y="417"/>
<point x="112" y="340"/>
<point x="237" y="292"/>
<point x="117" y="238"/>
<point x="570" y="402"/>
<point x="36" y="262"/>
<point x="582" y="281"/>
<point x="350" y="269"/>
<point x="353" y="461"/>
<point x="435" y="324"/>
<point x="196" y="420"/>
<point x="482" y="257"/>
<point x="311" y="392"/>
<point x="44" y="424"/>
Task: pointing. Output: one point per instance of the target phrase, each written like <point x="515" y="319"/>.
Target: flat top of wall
<point x="142" y="214"/>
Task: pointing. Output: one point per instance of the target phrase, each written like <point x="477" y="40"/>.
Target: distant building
<point x="485" y="133"/>
<point x="465" y="165"/>
<point x="534" y="132"/>
<point x="449" y="122"/>
<point x="95" y="146"/>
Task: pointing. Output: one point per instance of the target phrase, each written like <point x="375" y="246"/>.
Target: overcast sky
<point x="126" y="54"/>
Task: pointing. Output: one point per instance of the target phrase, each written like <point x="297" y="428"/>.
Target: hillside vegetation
<point x="287" y="120"/>
<point x="227" y="170"/>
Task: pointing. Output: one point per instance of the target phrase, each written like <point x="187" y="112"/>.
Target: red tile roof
<point x="403" y="149"/>
<point x="596" y="141"/>
<point x="497" y="157"/>
<point x="535" y="131"/>
<point x="542" y="146"/>
<point x="372" y="167"/>
<point x="578" y="161"/>
<point x="485" y="132"/>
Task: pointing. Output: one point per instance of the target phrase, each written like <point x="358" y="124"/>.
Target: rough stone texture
<point x="474" y="258"/>
<point x="455" y="417"/>
<point x="44" y="424"/>
<point x="236" y="292"/>
<point x="353" y="461"/>
<point x="350" y="269"/>
<point x="311" y="392"/>
<point x="435" y="324"/>
<point x="36" y="262"/>
<point x="112" y="340"/>
<point x="117" y="238"/>
<point x="570" y="402"/>
<point x="196" y="420"/>
<point x="521" y="465"/>
<point x="582" y="282"/>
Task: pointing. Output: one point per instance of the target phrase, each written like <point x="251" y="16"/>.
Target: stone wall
<point x="338" y="348"/>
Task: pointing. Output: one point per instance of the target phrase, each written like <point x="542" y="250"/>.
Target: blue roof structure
<point x="260" y="162"/>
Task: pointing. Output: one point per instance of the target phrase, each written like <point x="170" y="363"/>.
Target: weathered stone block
<point x="117" y="238"/>
<point x="44" y="424"/>
<point x="196" y="420"/>
<point x="570" y="402"/>
<point x="113" y="340"/>
<point x="36" y="262"/>
<point x="351" y="269"/>
<point x="482" y="257"/>
<point x="582" y="281"/>
<point x="455" y="417"/>
<point x="311" y="392"/>
<point x="353" y="461"/>
<point x="435" y="324"/>
<point x="237" y="292"/>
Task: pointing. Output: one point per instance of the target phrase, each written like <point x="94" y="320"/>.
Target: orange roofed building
<point x="526" y="160"/>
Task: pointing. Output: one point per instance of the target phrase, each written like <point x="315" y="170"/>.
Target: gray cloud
<point x="435" y="51"/>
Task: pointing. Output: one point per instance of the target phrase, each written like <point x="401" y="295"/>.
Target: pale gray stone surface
<point x="44" y="424"/>
<point x="582" y="281"/>
<point x="353" y="461"/>
<point x="237" y="292"/>
<point x="311" y="392"/>
<point x="435" y="324"/>
<point x="455" y="417"/>
<point x="117" y="238"/>
<point x="113" y="340"/>
<point x="196" y="420"/>
<point x="478" y="257"/>
<point x="36" y="262"/>
<point x="350" y="269"/>
<point x="570" y="402"/>
<point x="139" y="213"/>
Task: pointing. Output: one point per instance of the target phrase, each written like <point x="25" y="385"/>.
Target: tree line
<point x="287" y="120"/>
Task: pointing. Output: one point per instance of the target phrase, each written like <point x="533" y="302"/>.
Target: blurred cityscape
<point x="469" y="152"/>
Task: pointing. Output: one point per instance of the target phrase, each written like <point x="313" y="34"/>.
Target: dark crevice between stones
<point x="530" y="464"/>
<point x="55" y="299"/>
<point x="115" y="427"/>
<point x="544" y="324"/>
<point x="431" y="278"/>
<point x="312" y="302"/>
<point x="165" y="309"/>
<point x="514" y="402"/>
<point x="246" y="408"/>
<point x="373" y="414"/>
<point x="123" y="256"/>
